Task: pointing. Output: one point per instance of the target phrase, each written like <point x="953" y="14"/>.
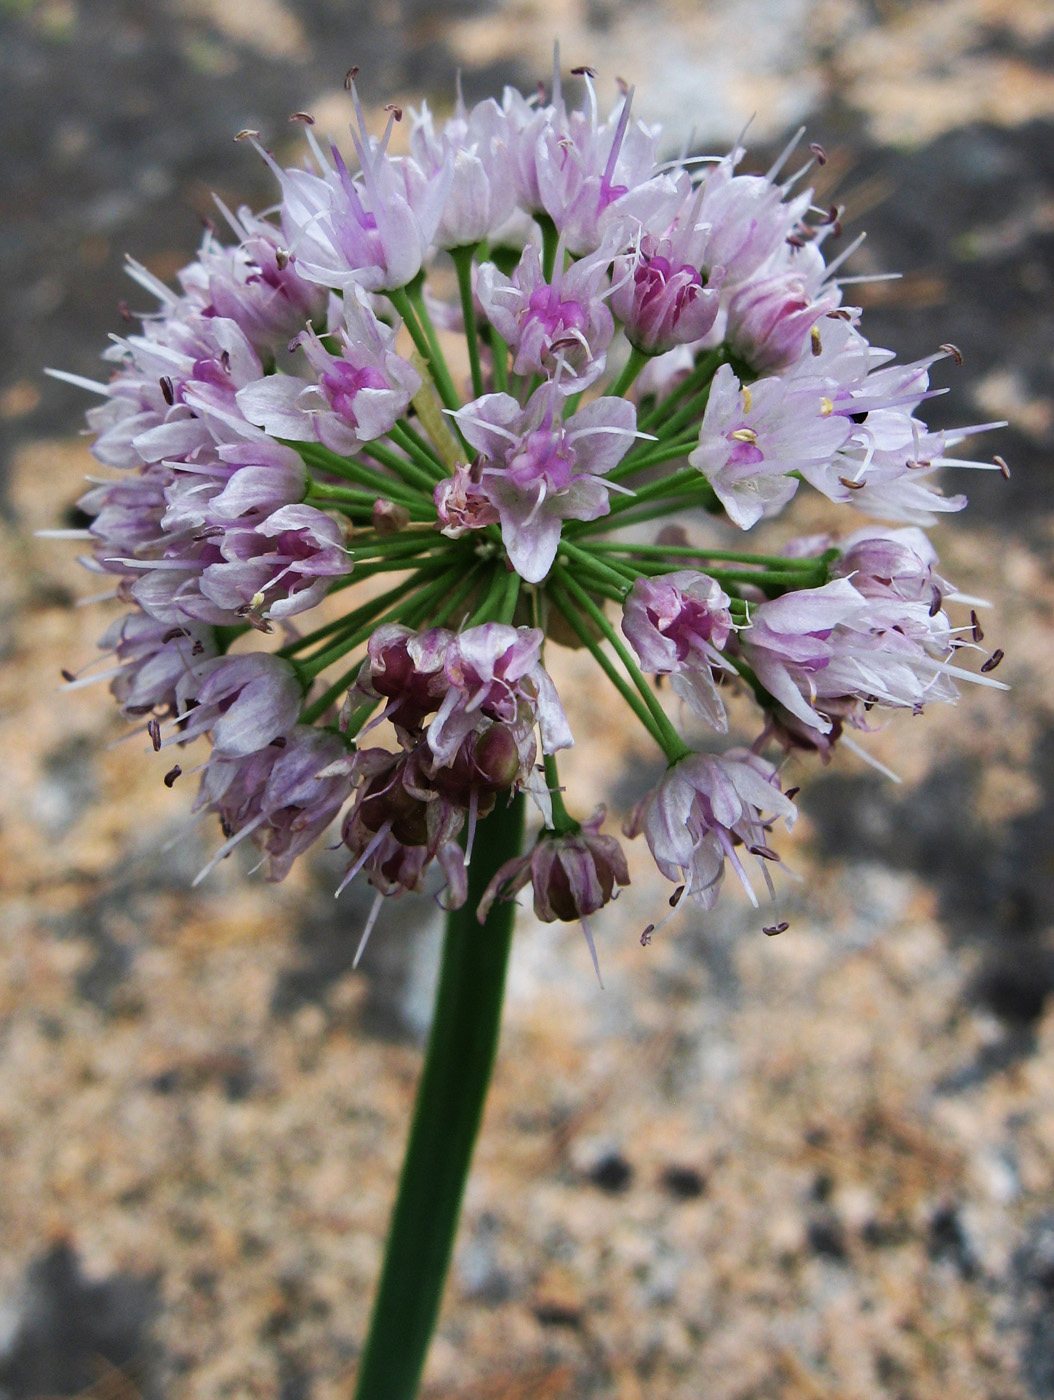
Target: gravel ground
<point x="805" y="1167"/>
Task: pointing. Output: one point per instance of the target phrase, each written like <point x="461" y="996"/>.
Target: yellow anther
<point x="826" y="407"/>
<point x="748" y="399"/>
<point x="745" y="435"/>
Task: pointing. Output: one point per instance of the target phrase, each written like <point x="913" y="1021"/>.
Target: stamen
<point x="870" y="759"/>
<point x="846" y="252"/>
<point x="84" y="681"/>
<point x="872" y="277"/>
<point x="357" y="866"/>
<point x="463" y="417"/>
<point x="611" y="431"/>
<point x="79" y="382"/>
<point x="616" y="143"/>
<point x="592" y="951"/>
<point x="473" y="812"/>
<point x="965" y="462"/>
<point x="374" y="911"/>
<point x="784" y="156"/>
<point x="227" y="847"/>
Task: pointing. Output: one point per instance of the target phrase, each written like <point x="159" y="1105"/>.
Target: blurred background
<point x="816" y="1167"/>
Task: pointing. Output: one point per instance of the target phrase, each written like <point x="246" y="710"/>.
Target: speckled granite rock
<point x="815" y="1166"/>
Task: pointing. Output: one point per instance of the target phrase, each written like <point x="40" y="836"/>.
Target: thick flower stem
<point x="691" y="553"/>
<point x="499" y="356"/>
<point x="447" y="1116"/>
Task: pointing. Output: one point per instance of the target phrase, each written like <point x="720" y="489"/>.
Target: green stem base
<point x="450" y="1099"/>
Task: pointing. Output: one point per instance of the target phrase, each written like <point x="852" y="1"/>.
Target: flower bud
<point x="573" y="874"/>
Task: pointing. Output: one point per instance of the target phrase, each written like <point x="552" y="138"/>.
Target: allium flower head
<point x="342" y="550"/>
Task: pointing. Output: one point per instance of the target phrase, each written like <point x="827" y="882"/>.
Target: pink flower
<point x="152" y="658"/>
<point x="585" y="169"/>
<point x="493" y="672"/>
<point x="471" y="150"/>
<point x="545" y="323"/>
<point x="573" y="874"/>
<point x="678" y="624"/>
<point x="661" y="300"/>
<point x="282" y="567"/>
<point x="460" y="503"/>
<point x="743" y="220"/>
<point x="770" y="320"/>
<point x="540" y="471"/>
<point x="832" y="645"/>
<point x="405" y="668"/>
<point x="399" y="824"/>
<point x="374" y="229"/>
<point x="355" y="397"/>
<point x="254" y="282"/>
<point x="702" y="810"/>
<point x="283" y="795"/>
<point x="753" y="437"/>
<point x="892" y="564"/>
<point x="244" y="702"/>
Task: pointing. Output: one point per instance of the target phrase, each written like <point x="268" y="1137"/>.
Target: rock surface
<point x="811" y="1167"/>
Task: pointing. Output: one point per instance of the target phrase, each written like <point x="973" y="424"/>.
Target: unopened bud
<point x="389" y="517"/>
<point x="497" y="757"/>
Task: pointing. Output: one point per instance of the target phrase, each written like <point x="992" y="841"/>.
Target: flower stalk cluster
<point x="639" y="341"/>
